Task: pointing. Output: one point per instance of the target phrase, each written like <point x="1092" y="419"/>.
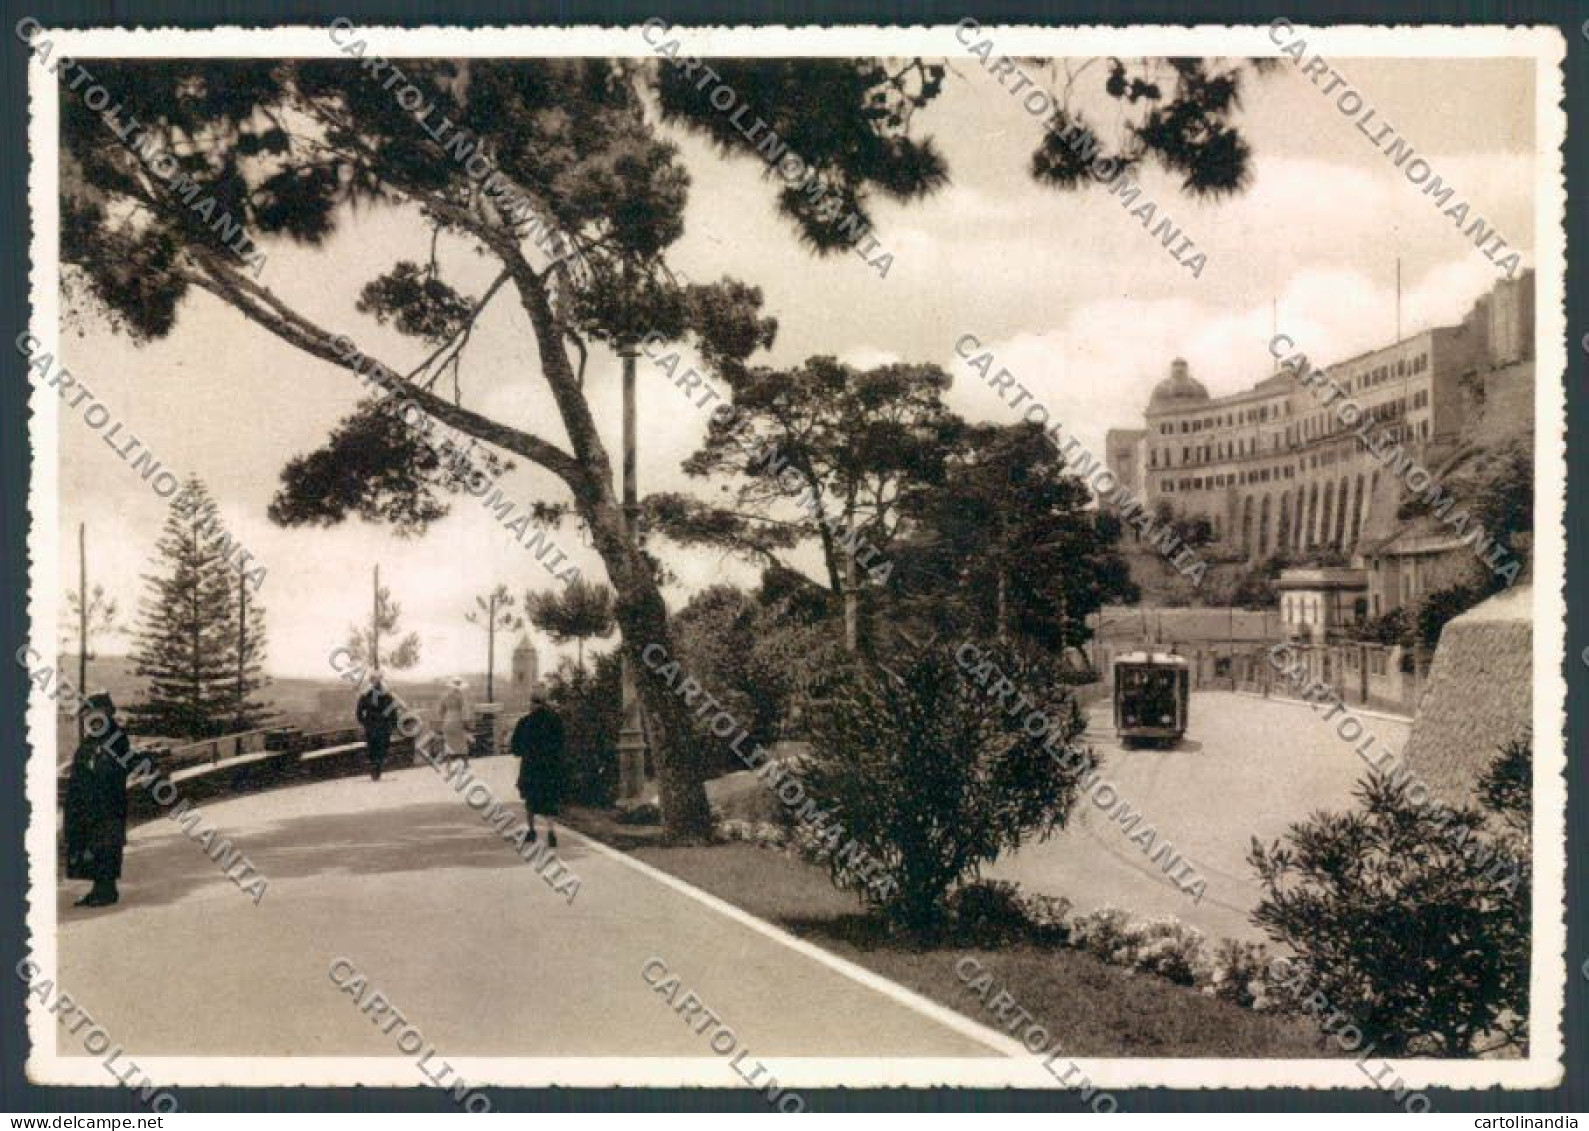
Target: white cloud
<point x="1066" y="289"/>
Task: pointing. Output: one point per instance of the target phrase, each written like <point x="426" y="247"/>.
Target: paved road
<point x="1248" y="767"/>
<point x="405" y="881"/>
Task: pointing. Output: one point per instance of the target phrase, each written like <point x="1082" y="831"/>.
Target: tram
<point x="1152" y="697"/>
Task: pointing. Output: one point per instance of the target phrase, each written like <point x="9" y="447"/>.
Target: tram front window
<point x="1150" y="698"/>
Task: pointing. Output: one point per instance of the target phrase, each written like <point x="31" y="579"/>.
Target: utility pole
<point x="1398" y="301"/>
<point x="242" y="647"/>
<point x="82" y="620"/>
<point x="491" y="645"/>
<point x="632" y="734"/>
<point x="375" y="622"/>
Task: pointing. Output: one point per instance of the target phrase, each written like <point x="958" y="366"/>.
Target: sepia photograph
<point x="778" y="559"/>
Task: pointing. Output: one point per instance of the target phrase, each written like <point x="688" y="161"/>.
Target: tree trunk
<point x="643" y="622"/>
<point x="851" y="610"/>
<point x="642" y="615"/>
<point x="1001" y="611"/>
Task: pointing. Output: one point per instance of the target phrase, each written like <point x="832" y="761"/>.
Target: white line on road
<point x="998" y="1042"/>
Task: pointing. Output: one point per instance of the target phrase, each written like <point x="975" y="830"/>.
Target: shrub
<point x="760" y="833"/>
<point x="1046" y="916"/>
<point x="1393" y="627"/>
<point x="756" y="660"/>
<point x="646" y="813"/>
<point x="989" y="913"/>
<point x="1440" y="607"/>
<point x="1506" y="789"/>
<point x="1411" y="919"/>
<point x="1166" y="947"/>
<point x="933" y="776"/>
<point x="1102" y="934"/>
<point x="1237" y="972"/>
<point x="590" y="705"/>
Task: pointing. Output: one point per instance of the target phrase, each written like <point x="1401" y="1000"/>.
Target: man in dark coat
<point x="96" y="803"/>
<point x="377" y="714"/>
<point x="538" y="744"/>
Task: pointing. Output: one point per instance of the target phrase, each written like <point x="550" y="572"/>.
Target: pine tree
<point x="582" y="611"/>
<point x="187" y="641"/>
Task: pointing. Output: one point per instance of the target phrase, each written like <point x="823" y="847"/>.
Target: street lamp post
<point x="632" y="735"/>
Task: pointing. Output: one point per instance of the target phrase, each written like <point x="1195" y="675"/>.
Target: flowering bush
<point x="1166" y="947"/>
<point x="1046" y="917"/>
<point x="764" y="834"/>
<point x="1237" y="972"/>
<point x="1102" y="934"/>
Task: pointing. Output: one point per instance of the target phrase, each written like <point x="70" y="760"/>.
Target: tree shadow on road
<point x="421" y="837"/>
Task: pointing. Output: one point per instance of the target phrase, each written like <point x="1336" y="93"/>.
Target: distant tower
<point x="526" y="670"/>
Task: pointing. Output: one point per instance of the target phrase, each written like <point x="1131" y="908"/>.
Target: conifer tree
<point x="187" y="639"/>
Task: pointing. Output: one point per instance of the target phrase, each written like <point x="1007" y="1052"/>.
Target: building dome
<point x="1179" y="388"/>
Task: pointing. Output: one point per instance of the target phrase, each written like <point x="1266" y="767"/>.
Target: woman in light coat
<point x="457" y="718"/>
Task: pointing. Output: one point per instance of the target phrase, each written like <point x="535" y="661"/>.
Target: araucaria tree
<point x="202" y="658"/>
<point x="553" y="171"/>
<point x="582" y="611"/>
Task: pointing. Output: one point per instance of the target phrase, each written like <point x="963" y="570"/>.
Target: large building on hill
<point x="1274" y="469"/>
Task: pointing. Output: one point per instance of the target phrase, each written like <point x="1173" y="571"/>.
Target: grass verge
<point x="1092" y="1009"/>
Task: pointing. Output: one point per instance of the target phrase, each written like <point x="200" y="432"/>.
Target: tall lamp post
<point x="632" y="735"/>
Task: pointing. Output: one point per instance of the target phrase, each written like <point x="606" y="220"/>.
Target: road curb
<point x="965" y="1026"/>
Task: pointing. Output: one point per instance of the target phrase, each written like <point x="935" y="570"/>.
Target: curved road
<point x="405" y="881"/>
<point x="1248" y="767"/>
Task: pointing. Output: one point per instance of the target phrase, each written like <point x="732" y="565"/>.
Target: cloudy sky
<point x="1067" y="289"/>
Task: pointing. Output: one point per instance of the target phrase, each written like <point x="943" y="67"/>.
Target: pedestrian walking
<point x="538" y="744"/>
<point x="96" y="803"/>
<point x="457" y="716"/>
<point x="377" y="714"/>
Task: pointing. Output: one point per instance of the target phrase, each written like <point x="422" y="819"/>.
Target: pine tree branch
<point x="261" y="306"/>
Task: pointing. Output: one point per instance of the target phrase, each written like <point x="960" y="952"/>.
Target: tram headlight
<point x="1164" y="718"/>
